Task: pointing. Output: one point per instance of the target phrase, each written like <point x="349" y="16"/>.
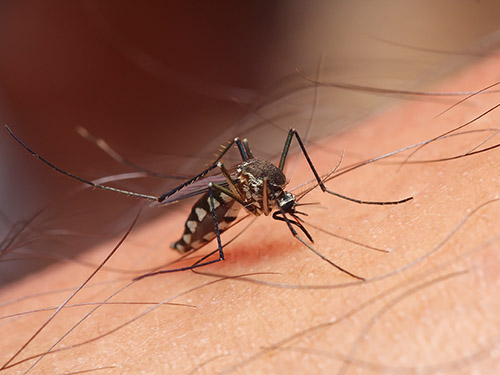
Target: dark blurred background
<point x="167" y="82"/>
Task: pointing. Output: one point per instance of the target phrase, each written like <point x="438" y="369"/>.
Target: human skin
<point x="429" y="305"/>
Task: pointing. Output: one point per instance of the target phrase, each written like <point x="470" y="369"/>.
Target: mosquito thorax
<point x="251" y="174"/>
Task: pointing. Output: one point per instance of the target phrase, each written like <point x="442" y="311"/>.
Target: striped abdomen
<point x="200" y="227"/>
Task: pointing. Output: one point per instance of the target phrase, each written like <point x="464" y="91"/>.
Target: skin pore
<point x="429" y="305"/>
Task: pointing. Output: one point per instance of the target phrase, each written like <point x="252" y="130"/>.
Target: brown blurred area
<point x="153" y="77"/>
<point x="159" y="78"/>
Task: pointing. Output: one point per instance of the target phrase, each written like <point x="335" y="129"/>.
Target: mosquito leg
<point x="284" y="154"/>
<point x="98" y="186"/>
<point x="265" y="198"/>
<point x="243" y="149"/>
<point x="237" y="193"/>
<point x="247" y="149"/>
<point x="195" y="265"/>
<point x="215" y="164"/>
<point x="286" y="147"/>
<point x="160" y="198"/>
<point x="200" y="262"/>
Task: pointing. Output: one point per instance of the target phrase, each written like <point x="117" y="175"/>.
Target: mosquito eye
<point x="287" y="203"/>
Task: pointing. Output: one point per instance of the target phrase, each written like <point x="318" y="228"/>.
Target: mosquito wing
<point x="194" y="189"/>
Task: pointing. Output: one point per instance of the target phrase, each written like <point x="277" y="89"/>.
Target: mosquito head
<point x="287" y="203"/>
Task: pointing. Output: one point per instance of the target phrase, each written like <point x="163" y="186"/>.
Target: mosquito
<point x="256" y="185"/>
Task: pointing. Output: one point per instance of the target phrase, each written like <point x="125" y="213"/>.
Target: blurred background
<point x="167" y="82"/>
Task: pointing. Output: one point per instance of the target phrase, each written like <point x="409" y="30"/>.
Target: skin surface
<point x="431" y="305"/>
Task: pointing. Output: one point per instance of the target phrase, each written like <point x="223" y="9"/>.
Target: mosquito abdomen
<point x="199" y="226"/>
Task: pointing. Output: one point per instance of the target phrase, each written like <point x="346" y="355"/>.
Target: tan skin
<point x="434" y="306"/>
